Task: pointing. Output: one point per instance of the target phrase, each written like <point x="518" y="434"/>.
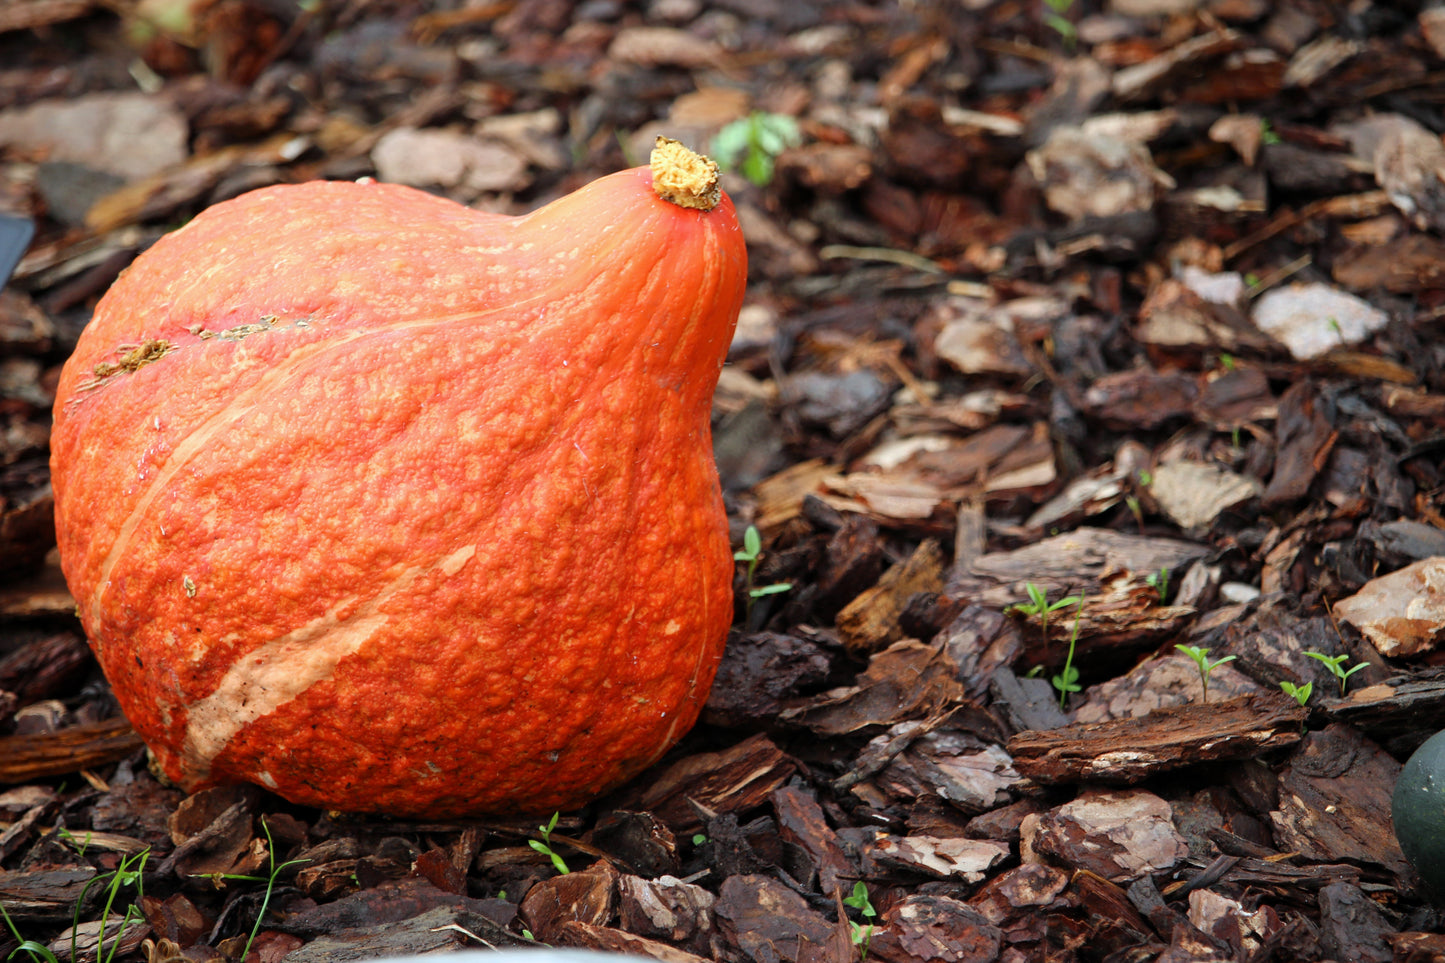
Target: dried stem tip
<point x="683" y="177"/>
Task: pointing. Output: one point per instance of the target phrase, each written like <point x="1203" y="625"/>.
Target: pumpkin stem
<point x="683" y="177"/>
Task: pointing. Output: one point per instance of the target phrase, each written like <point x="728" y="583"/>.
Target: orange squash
<point x="389" y="505"/>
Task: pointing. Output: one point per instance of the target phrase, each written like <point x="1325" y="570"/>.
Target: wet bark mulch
<point x="1088" y="400"/>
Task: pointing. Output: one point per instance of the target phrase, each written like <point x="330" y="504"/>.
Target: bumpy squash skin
<point x="1417" y="810"/>
<point x="416" y="512"/>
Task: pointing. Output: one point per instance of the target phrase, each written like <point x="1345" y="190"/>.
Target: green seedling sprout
<point x="128" y="873"/>
<point x="1301" y="693"/>
<point x="39" y="952"/>
<point x="70" y="839"/>
<point x="1067" y="681"/>
<point x="1039" y="604"/>
<point x="759" y="137"/>
<point x="862" y="932"/>
<point x="1335" y="663"/>
<point x="1206" y="668"/>
<point x="269" y="879"/>
<point x="752" y="554"/>
<point x="544" y="846"/>
<point x="1160" y="582"/>
<point x="1059" y="23"/>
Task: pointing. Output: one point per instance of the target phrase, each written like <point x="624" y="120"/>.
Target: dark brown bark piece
<point x="27" y="522"/>
<point x="764" y="921"/>
<point x="436" y="867"/>
<point x="908" y="680"/>
<point x="1004" y="822"/>
<point x="1112" y="921"/>
<point x="1130" y="750"/>
<point x="175" y="918"/>
<point x="1334" y="801"/>
<point x="639" y="841"/>
<point x="606" y="939"/>
<point x="1017" y="900"/>
<point x="1352" y="926"/>
<point x="1403" y="266"/>
<point x="18" y="833"/>
<point x="667" y="909"/>
<point x="853" y="561"/>
<point x="971" y="774"/>
<point x="1073" y="562"/>
<point x="1400" y="712"/>
<point x="386" y="904"/>
<point x="43" y="594"/>
<point x="927" y="927"/>
<point x="86" y="746"/>
<point x="1117" y="835"/>
<point x="1303" y="435"/>
<point x="441" y="929"/>
<point x="758" y="673"/>
<point x="46" y="894"/>
<point x="1028" y="704"/>
<point x="1141" y="398"/>
<point x="213" y="833"/>
<point x="587" y="896"/>
<point x="45" y="667"/>
<point x="801" y="823"/>
<point x="979" y="642"/>
<point x="870" y="622"/>
<point x="1417" y="947"/>
<point x="735" y="779"/>
<point x="140" y="808"/>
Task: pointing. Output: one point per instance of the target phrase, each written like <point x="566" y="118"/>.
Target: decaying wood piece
<point x="1353" y="926"/>
<point x="1074" y="562"/>
<point x="801" y="823"/>
<point x="1334" y="801"/>
<point x="762" y="919"/>
<point x="1130" y="750"/>
<point x="23" y="758"/>
<point x="28" y="14"/>
<point x="1304" y="435"/>
<point x="587" y="896"/>
<point x="759" y="671"/>
<point x="43" y="594"/>
<point x="1400" y="713"/>
<point x="1118" y="835"/>
<point x="870" y="622"/>
<point x="590" y="936"/>
<point x="935" y="927"/>
<point x="968" y="860"/>
<point x="1027" y="703"/>
<point x="42" y="668"/>
<point x="437" y="930"/>
<point x="735" y="779"/>
<point x="638" y="842"/>
<point x="45" y="894"/>
<point x="121" y="938"/>
<point x="666" y="908"/>
<point x="906" y="681"/>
